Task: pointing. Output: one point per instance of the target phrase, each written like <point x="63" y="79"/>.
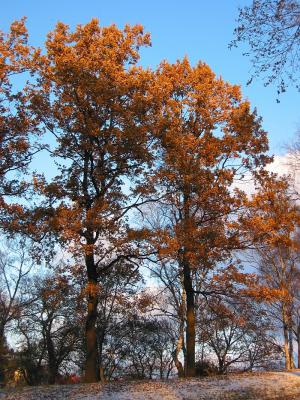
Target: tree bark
<point x="286" y="346"/>
<point x="298" y="344"/>
<point x="52" y="364"/>
<point x="2" y="351"/>
<point x="190" y="320"/>
<point x="102" y="375"/>
<point x="291" y="348"/>
<point x="100" y="339"/>
<point x="91" y="366"/>
<point x="178" y="363"/>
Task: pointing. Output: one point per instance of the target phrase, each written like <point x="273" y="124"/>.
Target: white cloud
<point x="282" y="165"/>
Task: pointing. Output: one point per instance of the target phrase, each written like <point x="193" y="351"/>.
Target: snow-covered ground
<point x="262" y="386"/>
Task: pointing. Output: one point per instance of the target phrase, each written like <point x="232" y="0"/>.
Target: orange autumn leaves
<point x="117" y="119"/>
<point x="270" y="224"/>
<point x="18" y="127"/>
<point x="272" y="214"/>
<point x="14" y="145"/>
<point x="208" y="138"/>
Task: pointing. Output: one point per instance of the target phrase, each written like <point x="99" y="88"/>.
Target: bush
<point x="205" y="368"/>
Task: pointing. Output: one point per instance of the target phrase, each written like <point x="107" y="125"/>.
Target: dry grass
<point x="259" y="386"/>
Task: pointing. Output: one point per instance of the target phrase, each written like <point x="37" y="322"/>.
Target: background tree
<point x="271" y="30"/>
<point x="296" y="315"/>
<point x="51" y="321"/>
<point x="271" y="222"/>
<point x="239" y="333"/>
<point x="150" y="348"/>
<point x="15" y="267"/>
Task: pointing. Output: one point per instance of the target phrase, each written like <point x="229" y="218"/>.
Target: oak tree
<point x="92" y="97"/>
<point x="208" y="138"/>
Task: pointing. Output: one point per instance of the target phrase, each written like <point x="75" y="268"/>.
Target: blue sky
<point x="200" y="29"/>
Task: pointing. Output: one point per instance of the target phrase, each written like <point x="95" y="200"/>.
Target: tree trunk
<point x="52" y="364"/>
<point x="100" y="339"/>
<point x="298" y="344"/>
<point x="2" y="358"/>
<point x="177" y="362"/>
<point x="190" y="320"/>
<point x="221" y="367"/>
<point x="286" y="346"/>
<point x="91" y="366"/>
<point x="102" y="375"/>
<point x="291" y="348"/>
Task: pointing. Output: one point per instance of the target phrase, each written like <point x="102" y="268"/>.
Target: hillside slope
<point x="263" y="386"/>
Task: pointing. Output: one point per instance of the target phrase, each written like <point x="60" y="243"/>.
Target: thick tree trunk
<point x="286" y="345"/>
<point x="291" y="348"/>
<point x="52" y="364"/>
<point x="221" y="367"/>
<point x="190" y="337"/>
<point x="2" y="351"/>
<point x="190" y="320"/>
<point x="52" y="375"/>
<point x="91" y="366"/>
<point x="298" y="344"/>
